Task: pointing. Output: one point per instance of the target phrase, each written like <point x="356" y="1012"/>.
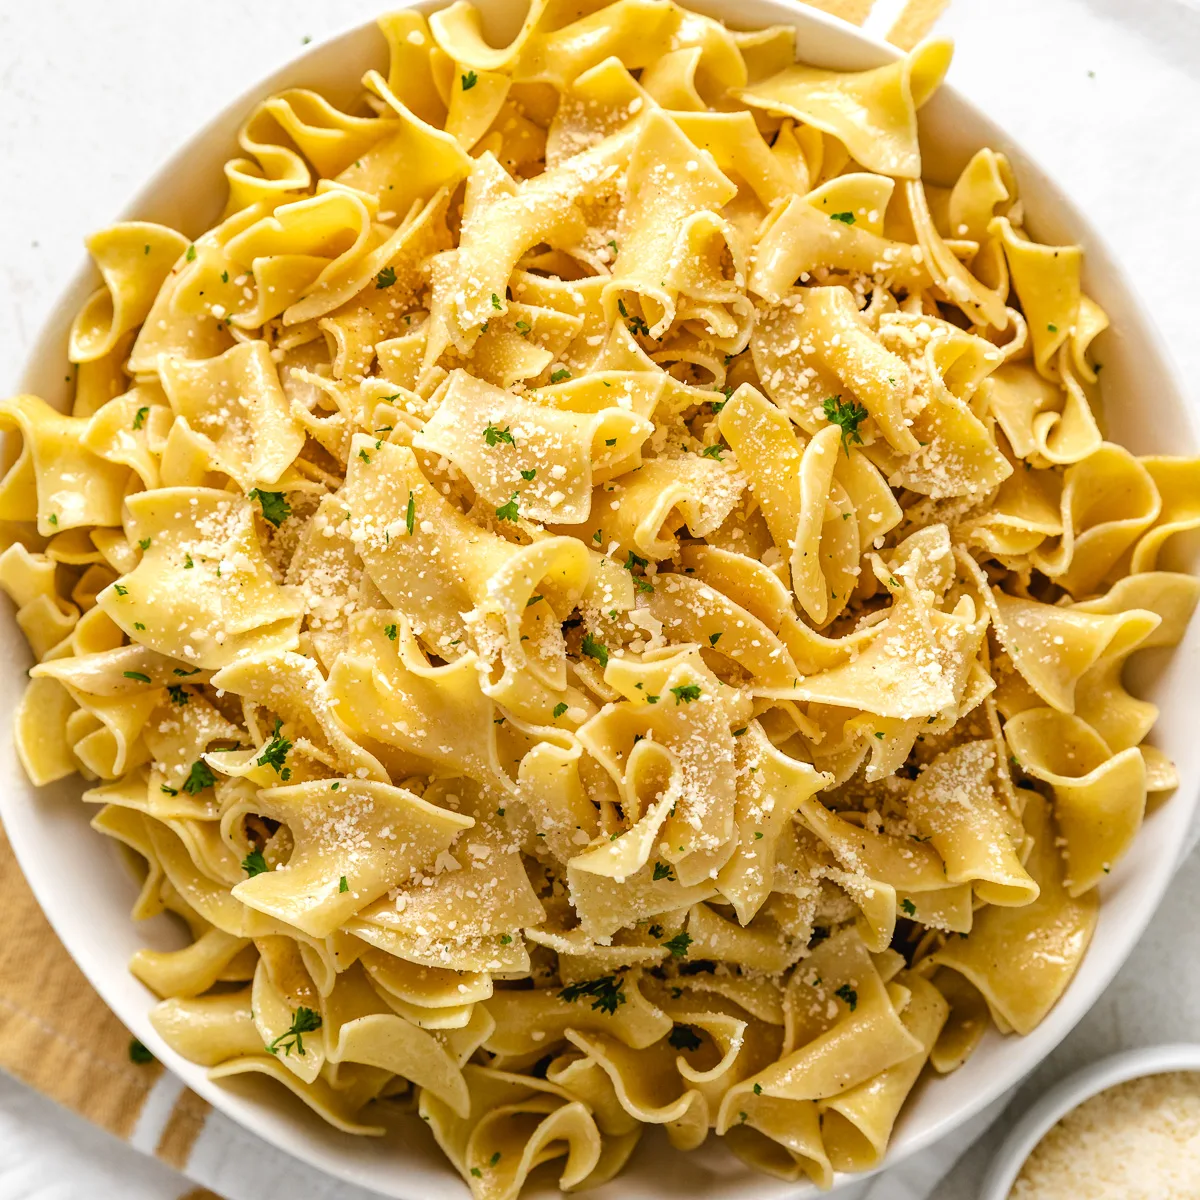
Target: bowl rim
<point x="1069" y="1094"/>
<point x="1068" y="1009"/>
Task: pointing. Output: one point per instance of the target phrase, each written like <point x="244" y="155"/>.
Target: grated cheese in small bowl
<point x="1137" y="1140"/>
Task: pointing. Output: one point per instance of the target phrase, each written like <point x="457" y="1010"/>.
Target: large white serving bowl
<point x="86" y="893"/>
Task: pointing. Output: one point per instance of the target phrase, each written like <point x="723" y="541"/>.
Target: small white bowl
<point x="1070" y="1094"/>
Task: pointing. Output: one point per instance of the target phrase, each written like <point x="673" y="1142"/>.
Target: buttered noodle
<point x="599" y="596"/>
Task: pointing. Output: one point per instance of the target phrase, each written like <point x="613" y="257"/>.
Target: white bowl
<point x="86" y="893"/>
<point x="1070" y="1094"/>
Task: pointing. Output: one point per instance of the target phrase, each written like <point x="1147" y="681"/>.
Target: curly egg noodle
<point x="599" y="597"/>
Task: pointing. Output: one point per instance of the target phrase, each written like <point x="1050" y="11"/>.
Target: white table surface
<point x="94" y="95"/>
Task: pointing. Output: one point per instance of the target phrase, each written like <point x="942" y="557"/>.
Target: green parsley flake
<point x="137" y="1052"/>
<point x="559" y="709"/>
<point x="909" y="907"/>
<point x="678" y="945"/>
<point x="139" y="418"/>
<point x="848" y="994"/>
<point x="120" y="589"/>
<point x="274" y="505"/>
<point x="254" y="864"/>
<point x="199" y="778"/>
<point x="136" y="675"/>
<point x="848" y="416"/>
<point x="529" y="475"/>
<point x="190" y="256"/>
<point x="714" y="638"/>
<point x="495" y="301"/>
<point x="275" y="753"/>
<point x="686" y="693"/>
<point x="385" y="278"/>
<point x="494" y="436"/>
<point x="343" y="885"/>
<point x="178" y="693"/>
<point x="469" y="80"/>
<point x="410" y="514"/>
<point x="304" y="1021"/>
<point x="390" y="630"/>
<point x="559" y="375"/>
<point x="663" y="870"/>
<point x="144" y="543"/>
<point x="713" y="451"/>
<point x="606" y="993"/>
<point x="594" y="649"/>
<point x="846" y="218"/>
<point x="509" y="511"/>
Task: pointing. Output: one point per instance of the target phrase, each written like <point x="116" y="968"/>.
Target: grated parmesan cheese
<point x="1139" y="1140"/>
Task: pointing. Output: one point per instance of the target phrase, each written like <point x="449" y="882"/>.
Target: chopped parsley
<point x="184" y="674"/>
<point x="848" y="416"/>
<point x="178" y="693"/>
<point x="524" y="328"/>
<point x="120" y="589"/>
<point x="190" y="256"/>
<point x="139" y="418"/>
<point x="469" y="80"/>
<point x="254" y="864"/>
<point x="594" y="649"/>
<point x="385" y="278"/>
<point x="410" y="514"/>
<point x="136" y="675"/>
<point x="606" y="993"/>
<point x="559" y="375"/>
<point x="714" y="638"/>
<point x="678" y="945"/>
<point x="529" y="475"/>
<point x="494" y="436"/>
<point x="686" y="693"/>
<point x="848" y="994"/>
<point x="343" y="885"/>
<point x="144" y="543"/>
<point x="275" y="753"/>
<point x="274" y="505"/>
<point x="509" y="511"/>
<point x="137" y="1052"/>
<point x="187" y="562"/>
<point x="713" y="451"/>
<point x="684" y="1037"/>
<point x="846" y="218"/>
<point x="199" y="778"/>
<point x="559" y="709"/>
<point x="390" y="630"/>
<point x="304" y="1021"/>
<point x="663" y="870"/>
<point x="364" y="456"/>
<point x="909" y="907"/>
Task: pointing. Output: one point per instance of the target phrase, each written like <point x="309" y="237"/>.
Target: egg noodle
<point x="598" y="596"/>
